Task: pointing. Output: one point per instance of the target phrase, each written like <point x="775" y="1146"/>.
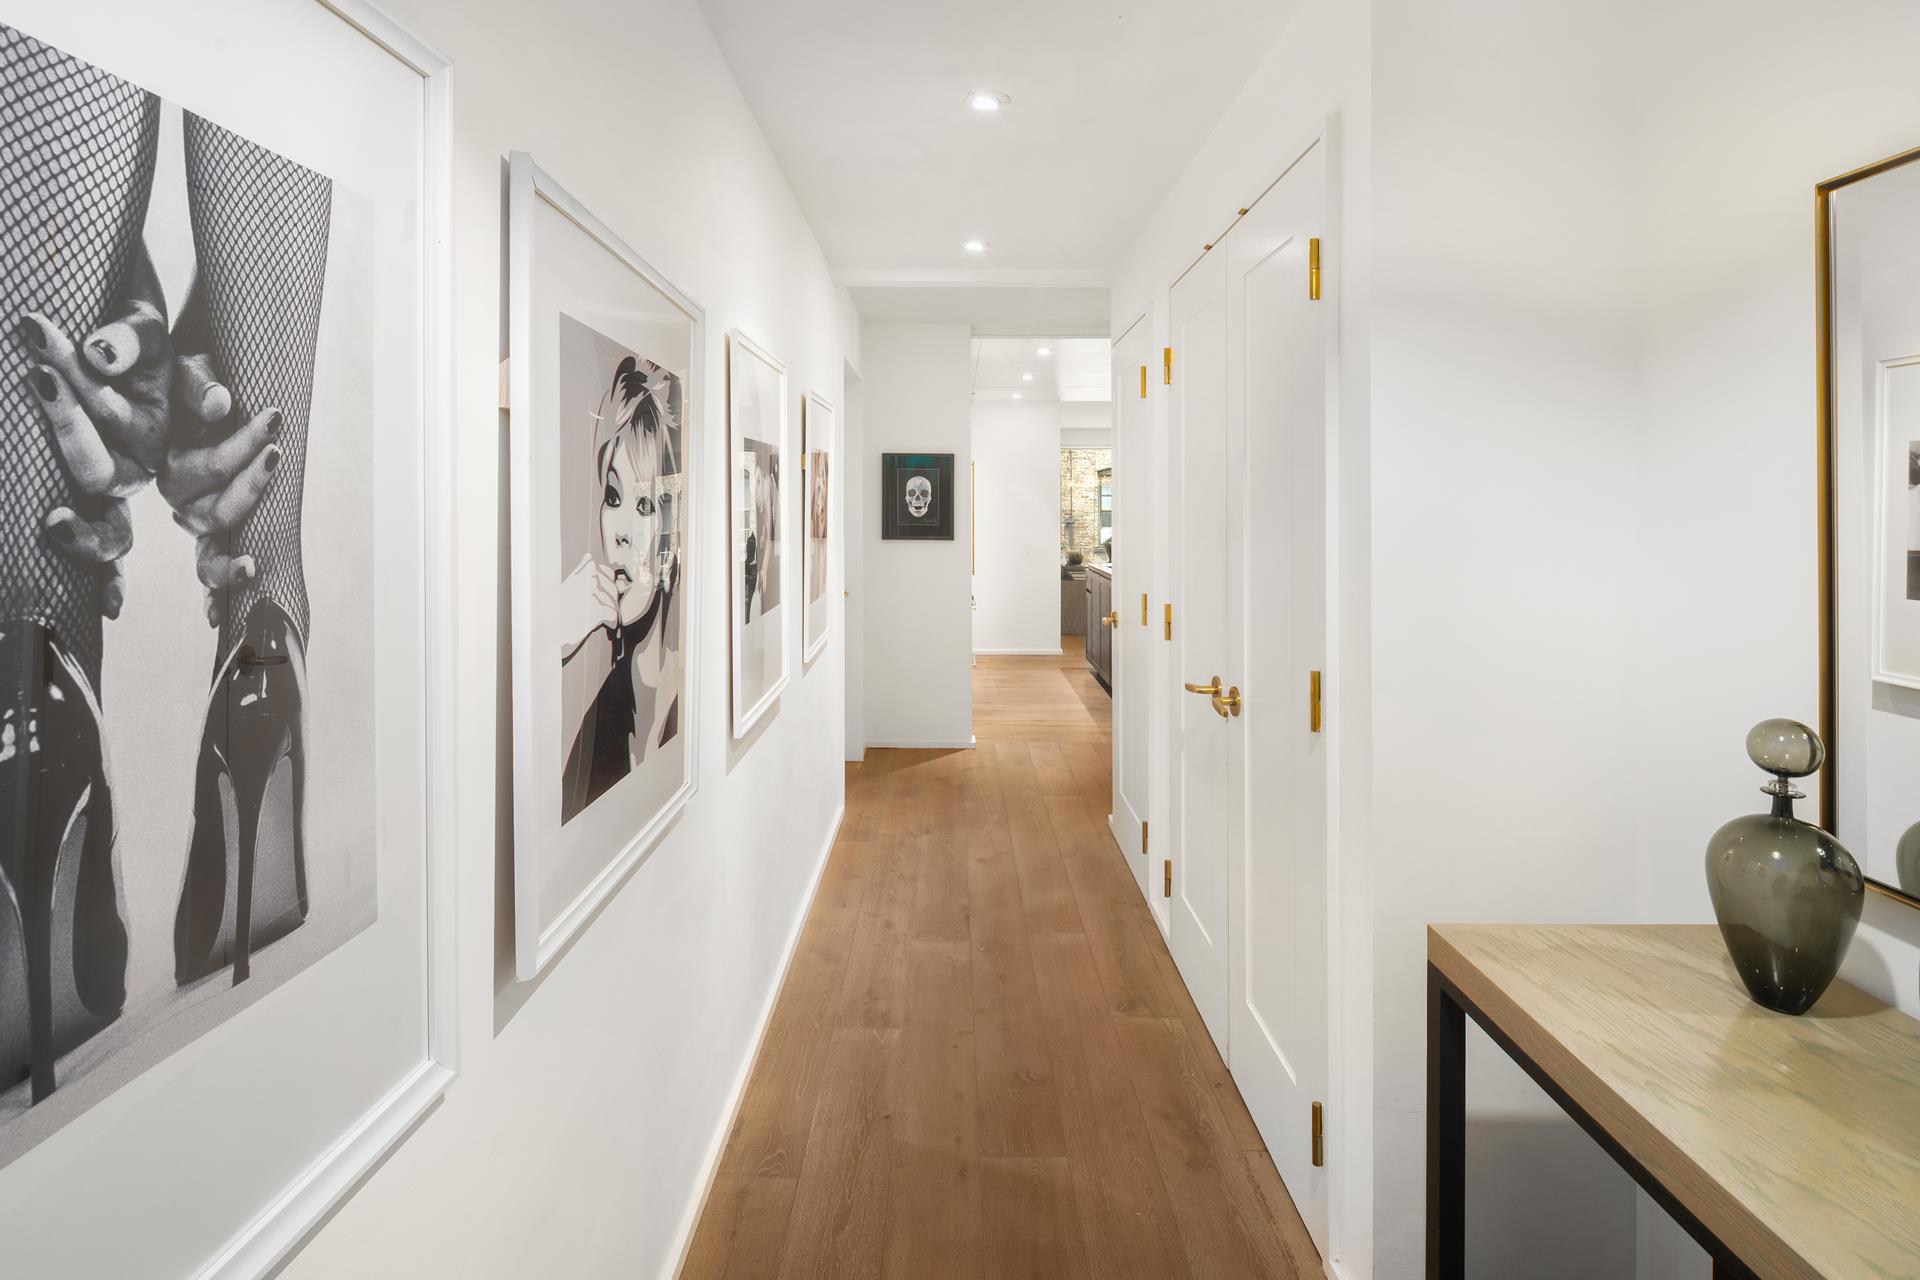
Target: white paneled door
<point x="1279" y="343"/>
<point x="1206" y="654"/>
<point x="1249" y="416"/>
<point x="1133" y="559"/>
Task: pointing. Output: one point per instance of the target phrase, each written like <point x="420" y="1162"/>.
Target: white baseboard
<point x="683" y="1240"/>
<point x="1019" y="653"/>
<point x="902" y="744"/>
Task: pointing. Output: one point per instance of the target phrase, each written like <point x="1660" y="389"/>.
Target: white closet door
<point x="1278" y="345"/>
<point x="1207" y="745"/>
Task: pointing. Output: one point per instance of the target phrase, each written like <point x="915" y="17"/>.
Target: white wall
<point x="1016" y="581"/>
<point x="916" y="382"/>
<point x="578" y="1137"/>
<point x="853" y="524"/>
<point x="1747" y="106"/>
<point x="1505" y="466"/>
<point x="1319" y="69"/>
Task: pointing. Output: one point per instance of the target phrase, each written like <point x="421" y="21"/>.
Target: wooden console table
<point x="1788" y="1147"/>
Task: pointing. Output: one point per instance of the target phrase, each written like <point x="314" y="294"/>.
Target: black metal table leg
<point x="1446" y="1132"/>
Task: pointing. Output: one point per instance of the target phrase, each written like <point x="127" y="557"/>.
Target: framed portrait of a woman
<point x="816" y="430"/>
<point x="757" y="444"/>
<point x="603" y="381"/>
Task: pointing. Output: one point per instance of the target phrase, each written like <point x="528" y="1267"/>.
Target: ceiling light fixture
<point x="1016" y="395"/>
<point x="975" y="246"/>
<point x="1026" y="377"/>
<point x="987" y="100"/>
<point x="1043" y="351"/>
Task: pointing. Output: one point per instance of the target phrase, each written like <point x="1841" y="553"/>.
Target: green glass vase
<point x="1786" y="893"/>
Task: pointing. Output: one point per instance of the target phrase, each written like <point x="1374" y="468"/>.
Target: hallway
<point x="983" y="1061"/>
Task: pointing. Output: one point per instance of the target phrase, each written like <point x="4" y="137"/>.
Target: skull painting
<point x="919" y="497"/>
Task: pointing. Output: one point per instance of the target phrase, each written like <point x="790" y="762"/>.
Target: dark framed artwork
<point x="916" y="496"/>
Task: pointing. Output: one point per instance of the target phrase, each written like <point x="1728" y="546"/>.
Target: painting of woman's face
<point x="630" y="520"/>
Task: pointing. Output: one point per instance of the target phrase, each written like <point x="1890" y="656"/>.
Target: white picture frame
<point x="265" y="1235"/>
<point x="1896" y="638"/>
<point x="760" y="661"/>
<point x="819" y="422"/>
<point x="563" y="873"/>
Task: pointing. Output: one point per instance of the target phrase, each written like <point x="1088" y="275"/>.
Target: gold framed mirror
<point x="1867" y="290"/>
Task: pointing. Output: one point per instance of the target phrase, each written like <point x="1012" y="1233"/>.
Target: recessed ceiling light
<point x="1043" y="351"/>
<point x="975" y="246"/>
<point x="1016" y="395"/>
<point x="1026" y="377"/>
<point x="987" y="100"/>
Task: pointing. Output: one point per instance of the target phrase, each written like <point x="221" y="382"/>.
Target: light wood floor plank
<point x="1125" y="1216"/>
<point x="1111" y="911"/>
<point x="1228" y="1227"/>
<point x="936" y="1168"/>
<point x="743" y="1230"/>
<point x="1044" y="889"/>
<point x="1034" y="1228"/>
<point x="843" y="1203"/>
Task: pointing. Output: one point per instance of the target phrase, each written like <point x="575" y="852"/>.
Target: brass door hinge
<point x="1143" y="837"/>
<point x="1313" y="269"/>
<point x="1313" y="701"/>
<point x="1143" y="382"/>
<point x="1143" y="608"/>
<point x="1169" y="622"/>
<point x="1166" y="883"/>
<point x="1319" y="1139"/>
<point x="1166" y="365"/>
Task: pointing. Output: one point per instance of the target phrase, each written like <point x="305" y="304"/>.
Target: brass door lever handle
<point x="1211" y="690"/>
<point x="1228" y="703"/>
<point x="1112" y="620"/>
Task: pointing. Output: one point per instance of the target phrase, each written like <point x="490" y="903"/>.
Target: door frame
<point x="1346" y="685"/>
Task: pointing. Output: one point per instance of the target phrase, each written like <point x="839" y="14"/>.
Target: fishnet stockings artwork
<point x="77" y="150"/>
<point x="260" y="226"/>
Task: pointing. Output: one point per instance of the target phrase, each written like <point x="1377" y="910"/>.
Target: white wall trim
<point x="955" y="745"/>
<point x="710" y="1165"/>
<point x="1020" y="653"/>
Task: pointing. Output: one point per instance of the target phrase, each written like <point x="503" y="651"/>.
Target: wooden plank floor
<point x="983" y="1062"/>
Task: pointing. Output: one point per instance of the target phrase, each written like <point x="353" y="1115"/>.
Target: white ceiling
<point x="1074" y="369"/>
<point x="864" y="103"/>
<point x="1019" y="310"/>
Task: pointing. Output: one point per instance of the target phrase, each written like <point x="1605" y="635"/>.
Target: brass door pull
<point x="1228" y="703"/>
<point x="1206" y="690"/>
<point x="1113" y="620"/>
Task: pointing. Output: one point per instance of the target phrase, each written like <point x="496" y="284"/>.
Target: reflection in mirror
<point x="1871" y="788"/>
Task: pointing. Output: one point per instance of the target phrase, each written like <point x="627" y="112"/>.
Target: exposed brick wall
<point x="1080" y="499"/>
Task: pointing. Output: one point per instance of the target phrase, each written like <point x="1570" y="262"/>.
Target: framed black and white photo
<point x="916" y="495"/>
<point x="816" y="430"/>
<point x="757" y="446"/>
<point x="1895" y="409"/>
<point x="222" y="551"/>
<point x="604" y="367"/>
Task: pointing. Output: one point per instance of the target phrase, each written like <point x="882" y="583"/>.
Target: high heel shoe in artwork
<point x="246" y="880"/>
<point x="63" y="943"/>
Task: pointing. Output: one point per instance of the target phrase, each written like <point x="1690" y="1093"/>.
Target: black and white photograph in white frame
<point x="603" y="416"/>
<point x="757" y="456"/>
<point x="241" y="352"/>
<point x="817" y="419"/>
<point x="1895" y="408"/>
